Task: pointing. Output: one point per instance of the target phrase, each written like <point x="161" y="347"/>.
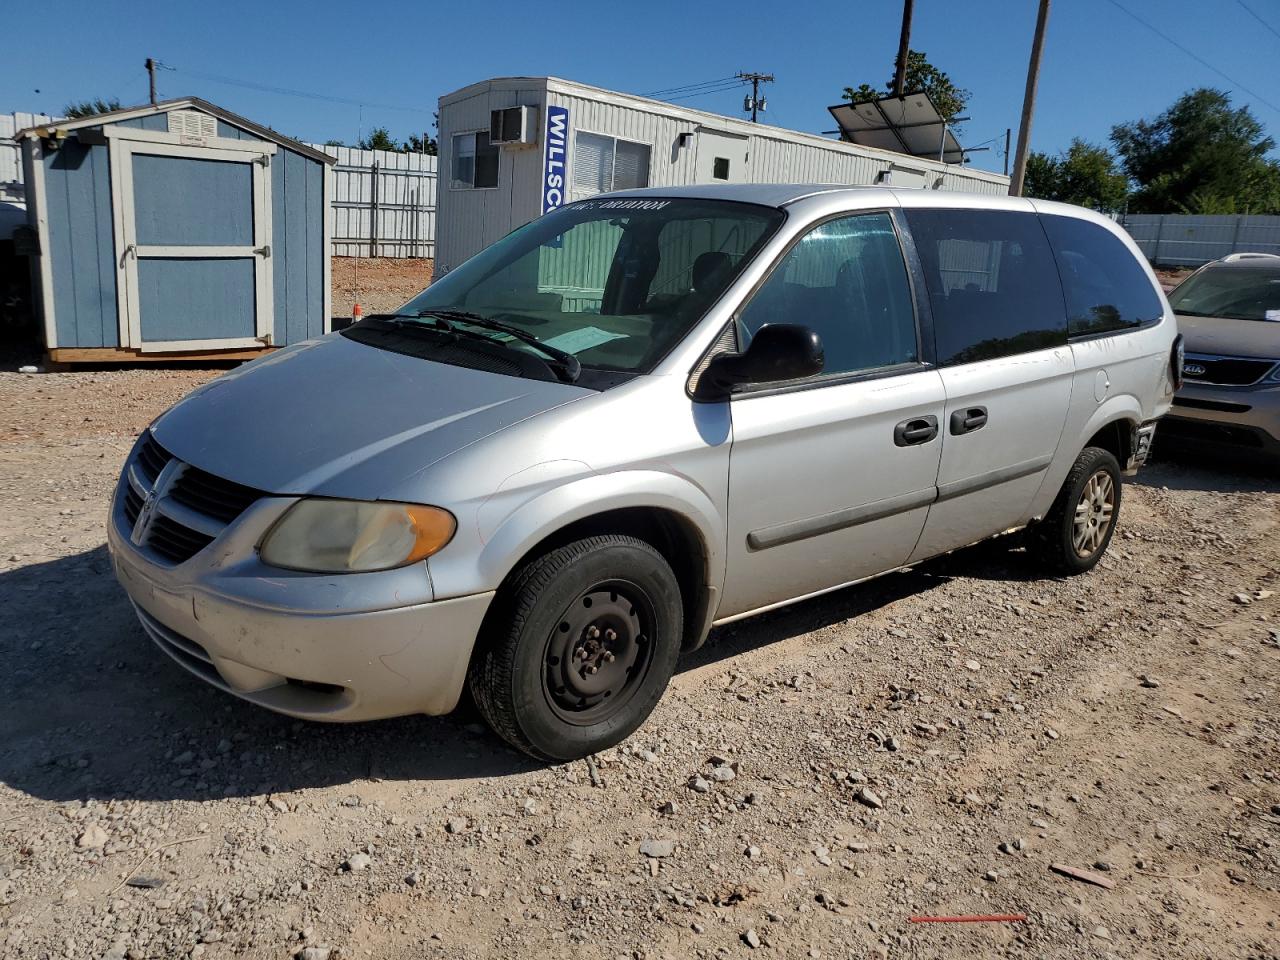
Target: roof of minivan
<point x="782" y="194"/>
<point x="768" y="194"/>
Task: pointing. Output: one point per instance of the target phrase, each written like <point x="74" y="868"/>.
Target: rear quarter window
<point x="992" y="282"/>
<point x="1106" y="289"/>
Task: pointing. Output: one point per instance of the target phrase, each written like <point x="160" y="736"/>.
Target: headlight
<point x="351" y="536"/>
<point x="1275" y="374"/>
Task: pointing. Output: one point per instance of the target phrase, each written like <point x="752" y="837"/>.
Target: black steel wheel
<point x="579" y="647"/>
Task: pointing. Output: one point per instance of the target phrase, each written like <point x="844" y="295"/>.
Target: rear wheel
<point x="580" y="647"/>
<point x="1075" y="533"/>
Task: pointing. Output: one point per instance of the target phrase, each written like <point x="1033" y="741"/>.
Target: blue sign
<point x="555" y="167"/>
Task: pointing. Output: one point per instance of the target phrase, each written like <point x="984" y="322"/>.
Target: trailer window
<point x="474" y="163"/>
<point x="602" y="164"/>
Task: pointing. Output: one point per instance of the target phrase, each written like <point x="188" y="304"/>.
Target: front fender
<point x="504" y="541"/>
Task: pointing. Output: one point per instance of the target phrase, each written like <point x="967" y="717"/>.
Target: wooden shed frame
<point x="122" y="142"/>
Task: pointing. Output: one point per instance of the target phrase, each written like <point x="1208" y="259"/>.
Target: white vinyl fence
<point x="384" y="203"/>
<point x="1178" y="240"/>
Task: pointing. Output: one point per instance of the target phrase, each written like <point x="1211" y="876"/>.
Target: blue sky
<point x="1100" y="66"/>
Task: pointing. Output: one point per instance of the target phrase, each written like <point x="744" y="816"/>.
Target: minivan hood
<point x="1227" y="337"/>
<point x="339" y="418"/>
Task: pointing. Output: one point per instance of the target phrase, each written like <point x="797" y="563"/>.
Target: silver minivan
<point x="639" y="416"/>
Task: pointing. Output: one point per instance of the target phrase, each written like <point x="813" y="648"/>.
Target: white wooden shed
<point x="513" y="148"/>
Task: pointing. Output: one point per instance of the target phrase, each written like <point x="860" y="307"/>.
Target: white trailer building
<point x="514" y="148"/>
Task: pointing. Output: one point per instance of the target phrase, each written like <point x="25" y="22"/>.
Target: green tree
<point x="379" y="139"/>
<point x="416" y="145"/>
<point x="90" y="108"/>
<point x="1084" y="174"/>
<point x="921" y="75"/>
<point x="1200" y="156"/>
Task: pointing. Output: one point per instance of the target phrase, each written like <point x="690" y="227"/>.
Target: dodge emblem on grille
<point x="159" y="489"/>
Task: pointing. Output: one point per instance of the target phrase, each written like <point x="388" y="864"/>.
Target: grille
<point x="215" y="501"/>
<point x="1221" y="406"/>
<point x="1228" y="371"/>
<point x="175" y="542"/>
<point x="132" y="504"/>
<point x="152" y="458"/>
<point x="214" y="497"/>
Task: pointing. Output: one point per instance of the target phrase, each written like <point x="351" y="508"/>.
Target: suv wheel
<point x="1075" y="533"/>
<point x="579" y="648"/>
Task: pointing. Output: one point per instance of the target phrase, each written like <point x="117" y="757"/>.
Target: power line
<point x="703" y="93"/>
<point x="1255" y="16"/>
<point x="289" y="92"/>
<point x="689" y="87"/>
<point x="1194" y="56"/>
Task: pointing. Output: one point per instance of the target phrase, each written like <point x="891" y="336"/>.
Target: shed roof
<point x="164" y="106"/>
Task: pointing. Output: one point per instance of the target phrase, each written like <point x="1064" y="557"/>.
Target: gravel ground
<point x="378" y="285"/>
<point x="928" y="743"/>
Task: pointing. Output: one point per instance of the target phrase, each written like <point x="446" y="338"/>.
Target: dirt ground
<point x="925" y="744"/>
<point x="378" y="285"/>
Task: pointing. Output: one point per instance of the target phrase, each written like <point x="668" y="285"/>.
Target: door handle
<point x="915" y="431"/>
<point x="968" y="420"/>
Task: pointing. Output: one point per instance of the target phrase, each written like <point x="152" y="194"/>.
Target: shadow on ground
<point x="90" y="708"/>
<point x="1215" y="471"/>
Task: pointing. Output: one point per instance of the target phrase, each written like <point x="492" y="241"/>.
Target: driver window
<point x="847" y="280"/>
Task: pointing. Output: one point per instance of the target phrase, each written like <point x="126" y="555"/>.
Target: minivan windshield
<point x="1235" y="292"/>
<point x="614" y="283"/>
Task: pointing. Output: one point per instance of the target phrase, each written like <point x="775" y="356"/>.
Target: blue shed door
<point x="196" y="229"/>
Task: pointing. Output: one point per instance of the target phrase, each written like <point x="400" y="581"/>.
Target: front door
<point x="195" y="254"/>
<point x="830" y="479"/>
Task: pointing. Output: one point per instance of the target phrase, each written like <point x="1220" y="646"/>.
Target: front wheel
<point x="579" y="648"/>
<point x="1074" y="535"/>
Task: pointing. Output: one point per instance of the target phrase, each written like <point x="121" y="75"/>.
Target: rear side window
<point x="992" y="283"/>
<point x="1106" y="289"/>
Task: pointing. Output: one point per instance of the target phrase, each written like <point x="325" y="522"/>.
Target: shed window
<point x="601" y="164"/>
<point x="474" y="163"/>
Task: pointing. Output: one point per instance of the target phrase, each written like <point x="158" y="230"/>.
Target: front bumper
<point x="336" y="648"/>
<point x="1245" y="419"/>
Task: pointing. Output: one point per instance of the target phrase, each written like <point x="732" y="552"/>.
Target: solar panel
<point x="909" y="124"/>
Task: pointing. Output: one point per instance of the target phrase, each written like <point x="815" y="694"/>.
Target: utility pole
<point x="904" y="45"/>
<point x="151" y="73"/>
<point x="1029" y="102"/>
<point x="1007" y="135"/>
<point x="754" y="103"/>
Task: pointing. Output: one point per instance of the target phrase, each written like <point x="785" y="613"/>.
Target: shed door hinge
<point x="264" y="251"/>
<point x="263" y="159"/>
<point x="265" y="339"/>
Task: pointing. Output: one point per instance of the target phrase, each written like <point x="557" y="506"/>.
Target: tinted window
<point x="1105" y="287"/>
<point x="846" y="279"/>
<point x="992" y="283"/>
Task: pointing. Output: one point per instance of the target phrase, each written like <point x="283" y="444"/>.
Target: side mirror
<point x="778" y="352"/>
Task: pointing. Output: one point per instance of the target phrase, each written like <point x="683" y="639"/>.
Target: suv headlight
<point x="1274" y="376"/>
<point x="353" y="536"/>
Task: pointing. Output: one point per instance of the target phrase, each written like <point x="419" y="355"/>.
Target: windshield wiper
<point x="567" y="363"/>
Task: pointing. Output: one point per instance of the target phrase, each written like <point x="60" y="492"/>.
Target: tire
<point x="611" y="603"/>
<point x="1060" y="545"/>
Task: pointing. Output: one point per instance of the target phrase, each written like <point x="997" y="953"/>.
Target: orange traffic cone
<point x="356" y="314"/>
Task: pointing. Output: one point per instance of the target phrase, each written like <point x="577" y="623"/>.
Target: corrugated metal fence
<point x="384" y="203"/>
<point x="1178" y="240"/>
